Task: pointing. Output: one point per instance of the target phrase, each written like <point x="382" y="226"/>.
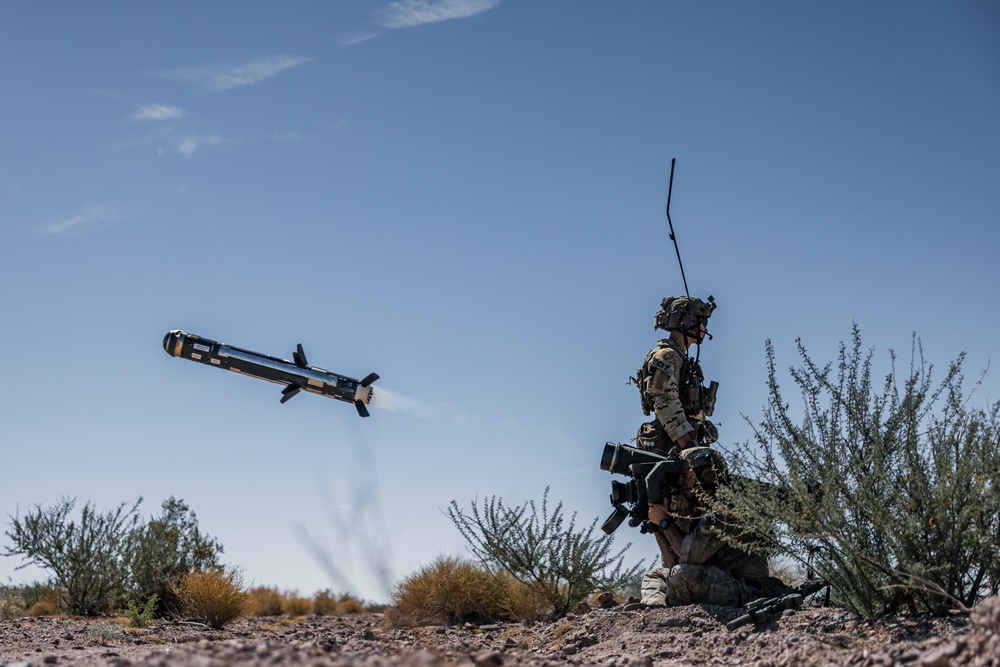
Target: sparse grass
<point x="264" y="601"/>
<point x="50" y="603"/>
<point x="447" y="591"/>
<point x="324" y="603"/>
<point x="348" y="604"/>
<point x="521" y="602"/>
<point x="294" y="605"/>
<point x="105" y="633"/>
<point x="215" y="597"/>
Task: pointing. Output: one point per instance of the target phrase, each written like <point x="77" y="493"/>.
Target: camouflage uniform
<point x="661" y="396"/>
<point x="671" y="385"/>
<point x="709" y="571"/>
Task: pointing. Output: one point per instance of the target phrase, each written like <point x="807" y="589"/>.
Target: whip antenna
<point x="670" y="190"/>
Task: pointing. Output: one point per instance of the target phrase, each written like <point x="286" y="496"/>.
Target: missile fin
<point x="362" y="410"/>
<point x="371" y="377"/>
<point x="299" y="356"/>
<point x="289" y="391"/>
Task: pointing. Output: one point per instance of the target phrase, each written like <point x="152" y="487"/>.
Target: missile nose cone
<point x="171" y="342"/>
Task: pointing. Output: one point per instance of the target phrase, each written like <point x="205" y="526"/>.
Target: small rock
<point x="935" y="658"/>
<point x="607" y="599"/>
<point x="488" y="659"/>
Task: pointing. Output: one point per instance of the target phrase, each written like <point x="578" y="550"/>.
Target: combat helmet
<point x="708" y="464"/>
<point x="683" y="313"/>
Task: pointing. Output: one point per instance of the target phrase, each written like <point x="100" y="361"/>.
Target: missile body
<point x="296" y="375"/>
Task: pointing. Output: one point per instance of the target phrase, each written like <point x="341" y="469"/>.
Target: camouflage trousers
<point x="693" y="584"/>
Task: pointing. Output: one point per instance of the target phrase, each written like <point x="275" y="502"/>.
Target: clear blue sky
<point x="467" y="197"/>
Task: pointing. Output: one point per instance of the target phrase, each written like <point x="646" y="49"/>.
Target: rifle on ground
<point x="766" y="609"/>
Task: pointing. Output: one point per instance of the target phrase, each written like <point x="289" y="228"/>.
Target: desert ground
<point x="618" y="636"/>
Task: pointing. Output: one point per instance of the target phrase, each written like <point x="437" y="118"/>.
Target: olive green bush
<point x="163" y="549"/>
<point x="100" y="562"/>
<point x="547" y="553"/>
<point x="86" y="557"/>
<point x="889" y="494"/>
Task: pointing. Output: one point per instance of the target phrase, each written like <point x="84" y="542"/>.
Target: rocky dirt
<point x="620" y="636"/>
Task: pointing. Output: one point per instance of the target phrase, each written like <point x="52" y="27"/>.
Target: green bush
<point x="165" y="548"/>
<point x="87" y="558"/>
<point x="891" y="495"/>
<point x="548" y="554"/>
<point x="101" y="561"/>
<point x="140" y="618"/>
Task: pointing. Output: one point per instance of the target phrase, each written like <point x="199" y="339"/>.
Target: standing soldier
<point x="671" y="384"/>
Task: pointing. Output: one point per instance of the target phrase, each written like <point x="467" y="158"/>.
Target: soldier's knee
<point x="686" y="584"/>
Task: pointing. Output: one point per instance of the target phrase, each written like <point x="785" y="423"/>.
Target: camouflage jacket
<point x="660" y="389"/>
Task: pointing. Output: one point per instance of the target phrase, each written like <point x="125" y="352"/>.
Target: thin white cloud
<point x="357" y="38"/>
<point x="409" y="13"/>
<point x="191" y="143"/>
<point x="157" y="112"/>
<point x="221" y="78"/>
<point x="88" y="215"/>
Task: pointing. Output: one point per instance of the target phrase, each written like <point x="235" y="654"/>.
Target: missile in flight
<point x="297" y="375"/>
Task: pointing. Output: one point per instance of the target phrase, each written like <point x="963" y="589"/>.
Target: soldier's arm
<point x="668" y="539"/>
<point x="663" y="387"/>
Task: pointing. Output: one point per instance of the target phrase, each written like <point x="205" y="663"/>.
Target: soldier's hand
<point x="657" y="513"/>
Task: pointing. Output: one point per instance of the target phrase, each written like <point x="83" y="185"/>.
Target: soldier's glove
<point x="707" y="433"/>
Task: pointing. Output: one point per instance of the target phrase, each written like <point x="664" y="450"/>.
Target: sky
<point x="466" y="197"/>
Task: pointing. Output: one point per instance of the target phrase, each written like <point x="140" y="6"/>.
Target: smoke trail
<point x="391" y="401"/>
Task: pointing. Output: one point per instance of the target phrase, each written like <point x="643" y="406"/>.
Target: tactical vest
<point x="695" y="397"/>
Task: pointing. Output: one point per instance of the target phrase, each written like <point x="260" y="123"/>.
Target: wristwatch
<point x="664" y="523"/>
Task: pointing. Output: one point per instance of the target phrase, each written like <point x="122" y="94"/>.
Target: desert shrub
<point x="891" y="494"/>
<point x="447" y="591"/>
<point x="36" y="592"/>
<point x="105" y="633"/>
<point x="11" y="603"/>
<point x="550" y="555"/>
<point x="140" y="618"/>
<point x="324" y="603"/>
<point x="215" y="596"/>
<point x="264" y="601"/>
<point x="86" y="557"/>
<point x="48" y="602"/>
<point x="348" y="604"/>
<point x="295" y="605"/>
<point x="102" y="560"/>
<point x="165" y="548"/>
<point x="521" y="602"/>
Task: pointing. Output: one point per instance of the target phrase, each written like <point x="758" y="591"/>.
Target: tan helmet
<point x="708" y="464"/>
<point x="682" y="313"/>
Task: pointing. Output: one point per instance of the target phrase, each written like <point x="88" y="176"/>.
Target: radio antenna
<point x="673" y="237"/>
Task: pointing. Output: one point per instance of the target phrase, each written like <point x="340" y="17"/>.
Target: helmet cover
<point x="683" y="313"/>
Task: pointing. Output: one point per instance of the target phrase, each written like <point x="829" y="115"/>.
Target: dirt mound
<point x="694" y="635"/>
